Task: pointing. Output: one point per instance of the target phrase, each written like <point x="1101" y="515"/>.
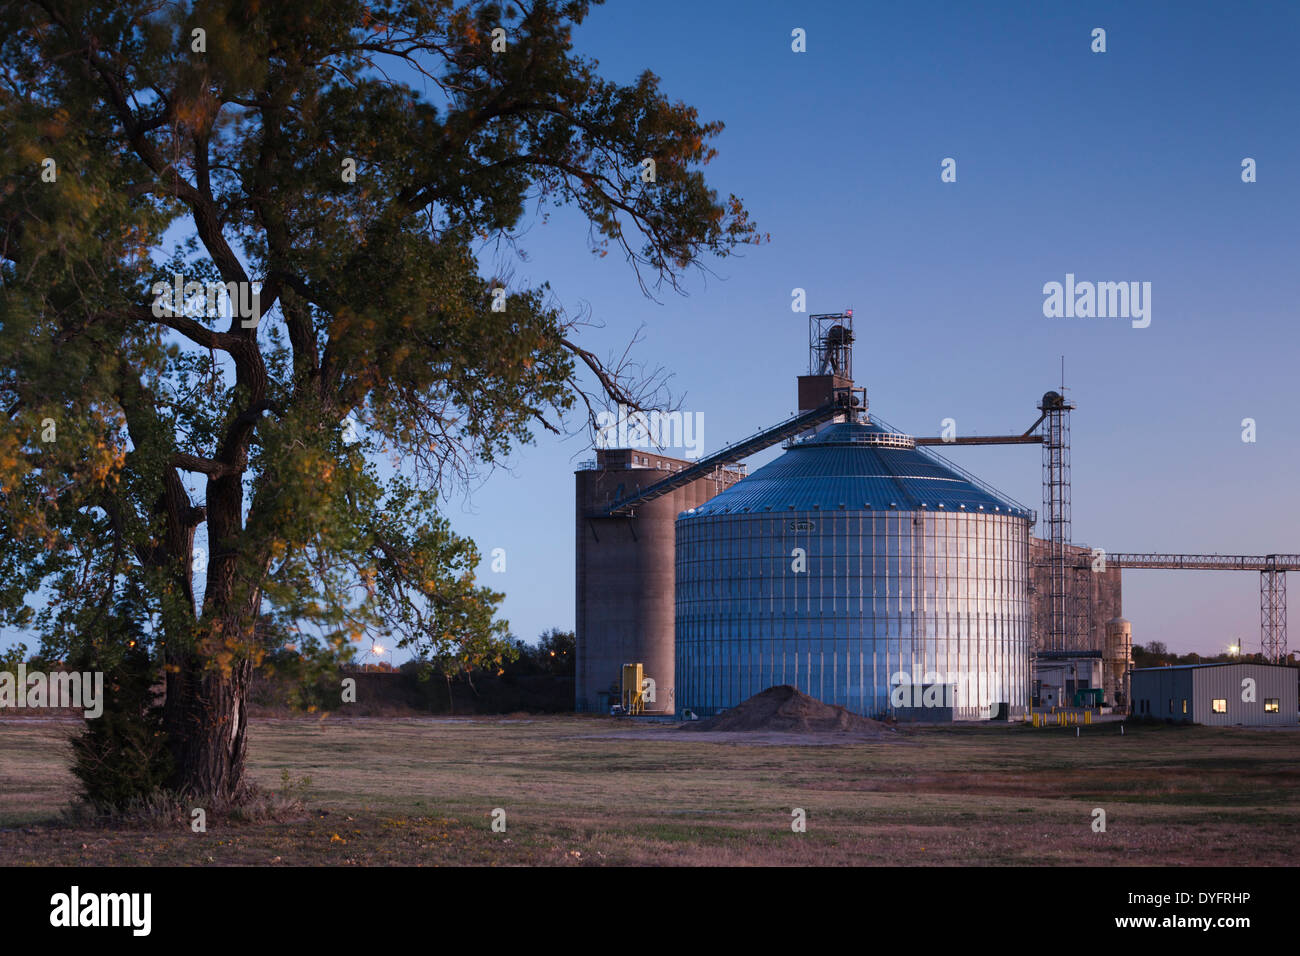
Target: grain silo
<point x="866" y="571"/>
<point x="625" y="571"/>
<point x="852" y="559"/>
<point x="863" y="569"/>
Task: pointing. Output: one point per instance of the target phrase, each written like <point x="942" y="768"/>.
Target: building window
<point x="1171" y="705"/>
<point x="1271" y="705"/>
<point x="1219" y="705"/>
<point x="1184" y="705"/>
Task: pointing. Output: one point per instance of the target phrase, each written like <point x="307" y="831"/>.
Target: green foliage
<point x="308" y="670"/>
<point x="294" y="789"/>
<point x="11" y="657"/>
<point x="556" y="653"/>
<point x="121" y="756"/>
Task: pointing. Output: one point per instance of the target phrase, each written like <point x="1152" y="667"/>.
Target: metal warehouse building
<point x="1250" y="695"/>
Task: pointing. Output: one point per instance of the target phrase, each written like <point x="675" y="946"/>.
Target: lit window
<point x="1220" y="705"/>
<point x="1184" y="705"/>
<point x="1271" y="705"/>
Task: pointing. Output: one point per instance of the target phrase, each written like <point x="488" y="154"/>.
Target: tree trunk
<point x="208" y="677"/>
<point x="206" y="718"/>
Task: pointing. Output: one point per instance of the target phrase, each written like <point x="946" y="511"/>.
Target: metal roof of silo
<point x="858" y="466"/>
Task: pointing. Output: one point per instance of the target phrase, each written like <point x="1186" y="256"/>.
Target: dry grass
<point x="586" y="790"/>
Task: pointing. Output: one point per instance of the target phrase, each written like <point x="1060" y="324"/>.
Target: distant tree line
<point x="1156" y="654"/>
<point x="553" y="654"/>
<point x="523" y="677"/>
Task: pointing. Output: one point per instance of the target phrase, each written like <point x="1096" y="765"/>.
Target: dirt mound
<point x="788" y="709"/>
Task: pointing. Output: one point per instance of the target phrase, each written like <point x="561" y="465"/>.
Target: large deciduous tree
<point x="350" y="160"/>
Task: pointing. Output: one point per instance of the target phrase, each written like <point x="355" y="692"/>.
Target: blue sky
<point x="1115" y="166"/>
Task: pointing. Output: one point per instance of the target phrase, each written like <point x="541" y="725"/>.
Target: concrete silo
<point x="624" y="575"/>
<point x="1117" y="661"/>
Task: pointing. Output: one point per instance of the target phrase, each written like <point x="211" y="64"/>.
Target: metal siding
<point x="915" y="590"/>
<point x="1158" y="686"/>
<point x="1203" y="684"/>
<point x="1225" y="682"/>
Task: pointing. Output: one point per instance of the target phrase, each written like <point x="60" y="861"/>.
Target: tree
<point x="122" y="754"/>
<point x="556" y="652"/>
<point x="291" y="149"/>
<point x="1153" y="654"/>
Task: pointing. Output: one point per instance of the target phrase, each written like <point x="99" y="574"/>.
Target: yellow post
<point x="1087" y="718"/>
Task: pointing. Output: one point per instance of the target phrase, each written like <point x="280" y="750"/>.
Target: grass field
<point x="593" y="791"/>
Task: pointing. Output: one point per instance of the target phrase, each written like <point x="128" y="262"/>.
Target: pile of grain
<point x="789" y="710"/>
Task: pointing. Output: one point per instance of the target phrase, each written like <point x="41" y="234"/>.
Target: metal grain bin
<point x="853" y="563"/>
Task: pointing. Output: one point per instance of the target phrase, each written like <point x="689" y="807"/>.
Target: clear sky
<point x="1115" y="166"/>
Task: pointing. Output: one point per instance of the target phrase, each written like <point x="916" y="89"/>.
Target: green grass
<point x="587" y="790"/>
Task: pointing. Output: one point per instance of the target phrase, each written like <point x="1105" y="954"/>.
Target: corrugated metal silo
<point x="853" y="558"/>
